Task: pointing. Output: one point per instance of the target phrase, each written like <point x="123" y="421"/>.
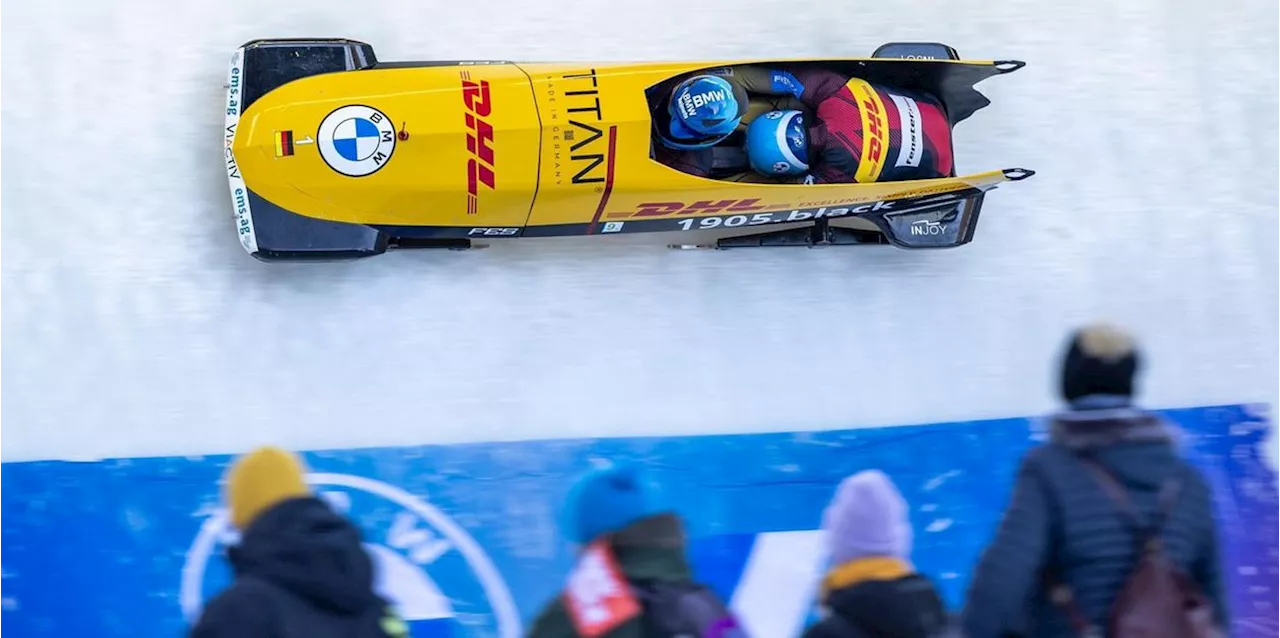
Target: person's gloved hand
<point x="784" y="83"/>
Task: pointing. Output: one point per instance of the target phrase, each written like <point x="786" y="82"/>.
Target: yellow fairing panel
<point x="445" y="145"/>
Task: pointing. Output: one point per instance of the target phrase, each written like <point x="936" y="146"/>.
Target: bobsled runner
<point x="333" y="154"/>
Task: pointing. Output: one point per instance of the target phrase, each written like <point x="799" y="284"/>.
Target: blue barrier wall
<point x="464" y="535"/>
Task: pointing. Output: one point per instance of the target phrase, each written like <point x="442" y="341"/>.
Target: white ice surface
<point x="133" y="323"/>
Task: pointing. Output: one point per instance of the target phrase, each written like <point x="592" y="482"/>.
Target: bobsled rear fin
<point x="916" y="51"/>
<point x="944" y="220"/>
<point x="929" y="220"/>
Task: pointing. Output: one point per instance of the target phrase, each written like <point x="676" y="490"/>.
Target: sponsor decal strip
<point x="717" y="222"/>
<point x="678" y="216"/>
<point x="608" y="182"/>
<point x="239" y="192"/>
<point x="875" y="130"/>
<point x="912" y="132"/>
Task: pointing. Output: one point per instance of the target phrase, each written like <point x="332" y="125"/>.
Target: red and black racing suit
<point x="859" y="132"/>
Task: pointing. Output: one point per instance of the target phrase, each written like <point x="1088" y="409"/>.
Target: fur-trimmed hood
<point x="1081" y="429"/>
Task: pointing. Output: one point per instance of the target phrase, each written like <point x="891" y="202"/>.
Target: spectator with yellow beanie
<point x="300" y="568"/>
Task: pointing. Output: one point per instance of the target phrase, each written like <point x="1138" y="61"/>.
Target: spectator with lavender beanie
<point x="871" y="588"/>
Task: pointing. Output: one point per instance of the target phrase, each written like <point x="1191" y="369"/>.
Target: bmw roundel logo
<point x="356" y="140"/>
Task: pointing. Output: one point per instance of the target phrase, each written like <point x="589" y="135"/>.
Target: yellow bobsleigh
<point x="332" y="154"/>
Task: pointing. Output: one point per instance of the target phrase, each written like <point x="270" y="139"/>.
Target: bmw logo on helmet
<point x="356" y="140"/>
<point x="778" y="143"/>
<point x="704" y="109"/>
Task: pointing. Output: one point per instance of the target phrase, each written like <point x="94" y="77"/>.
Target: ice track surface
<point x="134" y="324"/>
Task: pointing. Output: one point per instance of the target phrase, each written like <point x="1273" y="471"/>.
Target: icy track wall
<point x="137" y="331"/>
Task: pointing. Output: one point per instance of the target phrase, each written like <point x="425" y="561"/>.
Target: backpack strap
<point x="1146" y="536"/>
<point x="1061" y="595"/>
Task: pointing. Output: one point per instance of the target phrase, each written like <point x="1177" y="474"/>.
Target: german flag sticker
<point x="284" y="143"/>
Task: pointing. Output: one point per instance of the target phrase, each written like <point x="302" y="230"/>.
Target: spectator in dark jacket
<point x="872" y="590"/>
<point x="1060" y="520"/>
<point x="300" y="569"/>
<point x="617" y="508"/>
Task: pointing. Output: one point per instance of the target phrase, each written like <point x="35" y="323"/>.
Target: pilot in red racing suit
<point x="827" y="128"/>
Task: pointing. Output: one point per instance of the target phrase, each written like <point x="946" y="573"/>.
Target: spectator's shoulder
<point x="1193" y="481"/>
<point x="1043" y="467"/>
<point x="242" y="609"/>
<point x="832" y="626"/>
<point x="239" y="595"/>
<point x="552" y="622"/>
<point x="1041" y="458"/>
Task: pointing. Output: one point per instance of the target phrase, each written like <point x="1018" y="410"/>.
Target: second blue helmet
<point x="778" y="143"/>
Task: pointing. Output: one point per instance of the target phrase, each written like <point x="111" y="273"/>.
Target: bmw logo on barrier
<point x="436" y="576"/>
<point x="356" y="140"/>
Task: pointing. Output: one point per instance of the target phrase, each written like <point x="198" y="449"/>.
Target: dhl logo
<point x="480" y="167"/>
<point x="875" y="130"/>
<point x="702" y="207"/>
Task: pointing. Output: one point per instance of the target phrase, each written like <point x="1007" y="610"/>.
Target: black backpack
<point x="684" y="610"/>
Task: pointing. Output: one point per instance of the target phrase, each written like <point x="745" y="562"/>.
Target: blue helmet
<point x="704" y="110"/>
<point x="778" y="143"/>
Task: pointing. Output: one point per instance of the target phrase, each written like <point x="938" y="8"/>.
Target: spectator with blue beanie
<point x="1067" y="529"/>
<point x="627" y="541"/>
<point x="871" y="588"/>
<point x="606" y="500"/>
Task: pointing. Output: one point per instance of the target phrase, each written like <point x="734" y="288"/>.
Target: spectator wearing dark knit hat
<point x="871" y="588"/>
<point x="1061" y="522"/>
<point x="300" y="568"/>
<point x="1099" y="368"/>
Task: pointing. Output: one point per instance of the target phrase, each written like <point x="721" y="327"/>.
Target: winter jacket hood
<point x="305" y="547"/>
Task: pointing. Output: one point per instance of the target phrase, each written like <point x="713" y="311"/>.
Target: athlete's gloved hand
<point x="784" y="83"/>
